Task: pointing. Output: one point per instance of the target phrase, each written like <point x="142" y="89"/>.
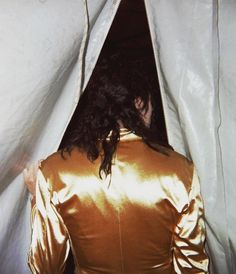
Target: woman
<point x="122" y="203"/>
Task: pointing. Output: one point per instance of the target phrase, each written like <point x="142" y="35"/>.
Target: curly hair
<point x="107" y="100"/>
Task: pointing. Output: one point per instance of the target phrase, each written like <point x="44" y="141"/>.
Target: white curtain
<point x="39" y="78"/>
<point x="194" y="43"/>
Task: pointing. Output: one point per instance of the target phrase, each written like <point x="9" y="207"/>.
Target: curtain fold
<point x="227" y="128"/>
<point x="40" y="43"/>
<point x="194" y="51"/>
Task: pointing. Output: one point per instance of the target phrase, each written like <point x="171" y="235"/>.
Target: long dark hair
<point x="107" y="100"/>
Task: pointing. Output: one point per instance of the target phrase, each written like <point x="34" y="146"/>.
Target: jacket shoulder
<point x="71" y="162"/>
<point x="183" y="168"/>
<point x="171" y="163"/>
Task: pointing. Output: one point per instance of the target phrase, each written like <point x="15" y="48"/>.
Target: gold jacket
<point x="146" y="218"/>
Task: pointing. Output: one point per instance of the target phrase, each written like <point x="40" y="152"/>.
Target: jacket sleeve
<point x="50" y="242"/>
<point x="189" y="237"/>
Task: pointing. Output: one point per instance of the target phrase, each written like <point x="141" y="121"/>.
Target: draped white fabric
<point x="194" y="44"/>
<point x="40" y="43"/>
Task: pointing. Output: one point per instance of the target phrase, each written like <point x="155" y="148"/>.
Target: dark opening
<point x="129" y="40"/>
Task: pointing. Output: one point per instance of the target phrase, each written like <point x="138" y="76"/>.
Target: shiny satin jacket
<point x="147" y="217"/>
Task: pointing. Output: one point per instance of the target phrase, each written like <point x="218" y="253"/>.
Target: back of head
<point x="108" y="103"/>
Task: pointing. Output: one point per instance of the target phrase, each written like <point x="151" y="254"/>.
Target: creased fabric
<point x="189" y="234"/>
<point x="146" y="218"/>
<point x="50" y="242"/>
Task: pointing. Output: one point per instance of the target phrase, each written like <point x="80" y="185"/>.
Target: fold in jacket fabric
<point x="147" y="217"/>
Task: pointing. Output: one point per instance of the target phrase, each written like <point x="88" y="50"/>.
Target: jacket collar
<point x="128" y="135"/>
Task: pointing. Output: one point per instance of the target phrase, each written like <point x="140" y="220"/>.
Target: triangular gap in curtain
<point x="129" y="43"/>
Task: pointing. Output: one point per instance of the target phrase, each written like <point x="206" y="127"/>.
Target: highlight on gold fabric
<point x="147" y="219"/>
<point x="49" y="244"/>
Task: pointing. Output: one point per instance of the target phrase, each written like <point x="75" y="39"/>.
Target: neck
<point x="120" y="123"/>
